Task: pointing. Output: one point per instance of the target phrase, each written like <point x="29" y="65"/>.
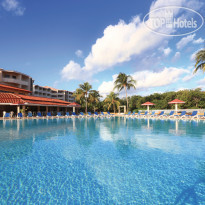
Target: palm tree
<point x="94" y="98"/>
<point x="112" y="100"/>
<point x="82" y="93"/>
<point x="200" y="61"/>
<point x="79" y="96"/>
<point x="126" y="82"/>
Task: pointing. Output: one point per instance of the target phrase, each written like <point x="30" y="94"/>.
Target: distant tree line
<point x="194" y="99"/>
<point x="91" y="100"/>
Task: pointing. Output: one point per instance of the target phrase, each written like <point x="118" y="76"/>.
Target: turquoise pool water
<point x="102" y="161"/>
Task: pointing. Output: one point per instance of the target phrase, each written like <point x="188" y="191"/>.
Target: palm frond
<point x="200" y="61"/>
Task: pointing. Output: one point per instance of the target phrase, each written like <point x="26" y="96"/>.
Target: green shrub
<point x="135" y="110"/>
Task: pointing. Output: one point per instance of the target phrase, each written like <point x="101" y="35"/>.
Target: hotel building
<point x="16" y="79"/>
<point x="17" y="93"/>
<point x="25" y="83"/>
<point x="50" y="92"/>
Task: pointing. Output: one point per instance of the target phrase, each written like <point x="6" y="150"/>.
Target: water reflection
<point x="130" y="159"/>
<point x="177" y="131"/>
<point x="154" y="134"/>
<point x="17" y="137"/>
<point x="124" y="133"/>
<point x="87" y="131"/>
<point x="148" y="125"/>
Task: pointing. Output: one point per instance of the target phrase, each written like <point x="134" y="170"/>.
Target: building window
<point x="14" y="77"/>
<point x="6" y="76"/>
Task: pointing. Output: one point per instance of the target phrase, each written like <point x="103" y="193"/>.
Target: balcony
<point x="15" y="81"/>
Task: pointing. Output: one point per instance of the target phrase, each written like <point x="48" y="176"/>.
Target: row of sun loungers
<point x="59" y="115"/>
<point x="172" y="114"/>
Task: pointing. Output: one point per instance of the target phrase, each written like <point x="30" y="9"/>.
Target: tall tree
<point x="82" y="93"/>
<point x="79" y="96"/>
<point x="200" y="61"/>
<point x="94" y="98"/>
<point x="125" y="82"/>
<point x="112" y="101"/>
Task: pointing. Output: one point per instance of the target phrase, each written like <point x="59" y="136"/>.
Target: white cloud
<point x="192" y="57"/>
<point x="14" y="6"/>
<point x="119" y="44"/>
<point x="188" y="77"/>
<point x="177" y="56"/>
<point x="167" y="51"/>
<point x="184" y="41"/>
<point x="79" y="53"/>
<point x="181" y="89"/>
<point x="107" y="86"/>
<point x="73" y="71"/>
<point x="20" y="11"/>
<point x="201" y="82"/>
<point x="148" y="79"/>
<point x="198" y="41"/>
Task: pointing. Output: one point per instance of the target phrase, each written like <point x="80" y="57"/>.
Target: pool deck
<point x="114" y="115"/>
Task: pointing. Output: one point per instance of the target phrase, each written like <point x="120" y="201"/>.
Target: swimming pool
<point x="102" y="161"/>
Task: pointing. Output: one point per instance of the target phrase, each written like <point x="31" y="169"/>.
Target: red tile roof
<point x="13" y="88"/>
<point x="10" y="98"/>
<point x="25" y="99"/>
<point x="74" y="104"/>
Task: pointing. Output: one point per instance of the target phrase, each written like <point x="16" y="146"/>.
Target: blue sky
<point x="64" y="43"/>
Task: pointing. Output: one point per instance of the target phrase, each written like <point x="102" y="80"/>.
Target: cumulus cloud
<point x="79" y="53"/>
<point x="184" y="41"/>
<point x="147" y="79"/>
<point x="150" y="79"/>
<point x="167" y="51"/>
<point x="177" y="56"/>
<point x="188" y="39"/>
<point x="119" y="44"/>
<point x="13" y="6"/>
<point x="72" y="71"/>
<point x="199" y="41"/>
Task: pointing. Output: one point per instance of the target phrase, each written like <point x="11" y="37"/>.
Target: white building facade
<point x="16" y="79"/>
<point x="50" y="92"/>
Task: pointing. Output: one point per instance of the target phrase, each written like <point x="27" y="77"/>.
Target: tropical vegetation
<point x="82" y="93"/>
<point x="195" y="99"/>
<point x="200" y="61"/>
<point x="125" y="82"/>
<point x="94" y="100"/>
<point x="91" y="99"/>
<point x="112" y="101"/>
